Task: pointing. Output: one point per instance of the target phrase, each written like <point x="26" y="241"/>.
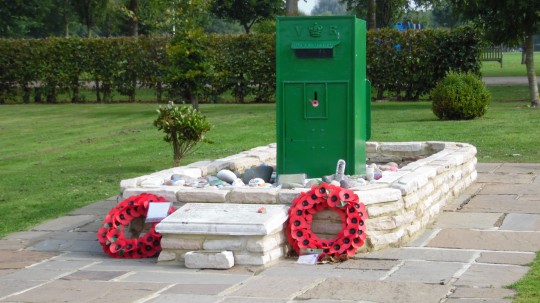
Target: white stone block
<point x="250" y="195"/>
<point x="202" y="195"/>
<point x="181" y="244"/>
<point x="381" y="195"/>
<point x="286" y="196"/>
<point x="216" y="166"/>
<point x="266" y="244"/>
<point x="378" y="239"/>
<point x="202" y="165"/>
<point x="380" y="224"/>
<point x="167" y="192"/>
<point x="224" y="219"/>
<point x="152" y="182"/>
<point x="259" y="259"/>
<point x="129" y="183"/>
<point x="243" y="163"/>
<point x="166" y="256"/>
<point x="208" y="259"/>
<point x="377" y="210"/>
<point x="234" y="244"/>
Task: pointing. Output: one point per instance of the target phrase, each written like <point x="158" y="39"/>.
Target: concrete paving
<point x="482" y="242"/>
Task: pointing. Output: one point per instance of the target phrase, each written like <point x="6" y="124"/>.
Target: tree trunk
<point x="291" y="7"/>
<point x="194" y="101"/>
<point x="177" y="155"/>
<point x="372" y="14"/>
<point x="133" y="19"/>
<point x="531" y="73"/>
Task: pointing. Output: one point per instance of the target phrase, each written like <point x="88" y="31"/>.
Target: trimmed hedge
<point x="409" y="64"/>
<point x="406" y="64"/>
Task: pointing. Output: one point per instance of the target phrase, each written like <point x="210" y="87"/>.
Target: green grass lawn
<point x="57" y="158"/>
<point x="511" y="66"/>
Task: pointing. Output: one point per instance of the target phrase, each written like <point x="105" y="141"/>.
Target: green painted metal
<point x="322" y="95"/>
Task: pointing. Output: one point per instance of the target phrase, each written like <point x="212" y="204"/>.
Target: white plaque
<point x="225" y="219"/>
<point x="157" y="211"/>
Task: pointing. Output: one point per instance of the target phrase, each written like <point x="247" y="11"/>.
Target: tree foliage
<point x="386" y="11"/>
<point x="507" y="21"/>
<point x="247" y="12"/>
<point x="329" y="7"/>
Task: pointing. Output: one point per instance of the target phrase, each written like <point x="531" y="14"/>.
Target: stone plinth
<point x="400" y="204"/>
<point x="253" y="233"/>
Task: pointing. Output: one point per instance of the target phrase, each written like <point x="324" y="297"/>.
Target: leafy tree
<point x="248" y="12"/>
<point x="444" y="16"/>
<point x="21" y="17"/>
<point x="329" y="7"/>
<point x="378" y="13"/>
<point x="184" y="127"/>
<point x="508" y="21"/>
<point x="89" y="11"/>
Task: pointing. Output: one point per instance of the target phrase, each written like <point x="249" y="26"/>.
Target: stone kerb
<point x="400" y="204"/>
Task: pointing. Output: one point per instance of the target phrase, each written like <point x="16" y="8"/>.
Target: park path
<point x="494" y="81"/>
<point x="480" y="243"/>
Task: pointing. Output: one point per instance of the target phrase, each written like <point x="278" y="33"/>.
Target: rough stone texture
<point x="207" y="259"/>
<point x="482" y="293"/>
<point x="514" y="258"/>
<point x="426" y="272"/>
<point x="521" y="222"/>
<point x="504" y="203"/>
<point x="487" y="240"/>
<point x="400" y="205"/>
<point x="468" y="220"/>
<point x="491" y="276"/>
<point x="375" y="291"/>
<point x="275" y="287"/>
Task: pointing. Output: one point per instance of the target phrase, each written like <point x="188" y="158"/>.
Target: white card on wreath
<point x="157" y="211"/>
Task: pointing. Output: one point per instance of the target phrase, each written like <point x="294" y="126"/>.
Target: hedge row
<point x="406" y="64"/>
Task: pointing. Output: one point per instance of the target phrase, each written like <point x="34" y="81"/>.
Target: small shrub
<point x="460" y="96"/>
<point x="183" y="126"/>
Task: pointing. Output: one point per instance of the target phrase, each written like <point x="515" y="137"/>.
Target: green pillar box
<point x="322" y="95"/>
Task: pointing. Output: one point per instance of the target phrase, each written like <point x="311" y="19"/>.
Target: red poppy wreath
<point x="128" y="217"/>
<point x="345" y="202"/>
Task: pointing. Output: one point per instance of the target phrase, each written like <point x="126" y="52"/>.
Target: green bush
<point x="460" y="96"/>
<point x="183" y="126"/>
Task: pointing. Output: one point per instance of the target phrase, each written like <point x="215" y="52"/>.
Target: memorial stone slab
<point x="225" y="219"/>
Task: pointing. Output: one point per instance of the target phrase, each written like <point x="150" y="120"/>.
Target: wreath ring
<point x="125" y="217"/>
<point x="327" y="196"/>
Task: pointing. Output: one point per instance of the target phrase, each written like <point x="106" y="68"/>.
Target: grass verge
<point x="512" y="66"/>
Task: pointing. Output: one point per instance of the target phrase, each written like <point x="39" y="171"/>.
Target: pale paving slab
<point x="487" y="167"/>
<point x="487" y="240"/>
<point x="14" y="286"/>
<point x="376" y="291"/>
<point x="260" y="300"/>
<point x="89" y="275"/>
<point x="477" y="301"/>
<point x="506" y="178"/>
<point x="514" y="258"/>
<point x="366" y="264"/>
<point x="283" y="287"/>
<point x="426" y="272"/>
<point x="521" y="222"/>
<point x="185" y="278"/>
<point x="491" y="275"/>
<point x="467" y="220"/>
<point x="168" y="298"/>
<point x="482" y="293"/>
<point x="502" y="204"/>
<point x="299" y="271"/>
<point x="503" y="189"/>
<point x="197" y="289"/>
<point x="87" y="291"/>
<point x="21" y="259"/>
<point x="36" y="274"/>
<point x="425" y="254"/>
<point x="65" y="223"/>
<point x="68" y="245"/>
<point x="519" y="168"/>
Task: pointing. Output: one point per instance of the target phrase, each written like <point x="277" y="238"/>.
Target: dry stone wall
<point x="400" y="204"/>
